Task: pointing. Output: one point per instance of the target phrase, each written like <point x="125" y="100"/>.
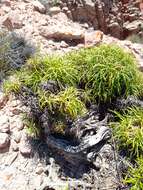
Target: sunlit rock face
<point x="112" y="17"/>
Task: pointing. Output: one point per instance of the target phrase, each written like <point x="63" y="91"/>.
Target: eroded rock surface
<point x="118" y="18"/>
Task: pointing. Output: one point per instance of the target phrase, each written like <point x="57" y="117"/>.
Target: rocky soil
<point x="27" y="164"/>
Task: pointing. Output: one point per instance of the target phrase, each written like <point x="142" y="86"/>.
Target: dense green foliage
<point x="39" y="70"/>
<point x="108" y="71"/>
<point x="129" y="131"/>
<point x="80" y="78"/>
<point x="135" y="175"/>
<point x="66" y="102"/>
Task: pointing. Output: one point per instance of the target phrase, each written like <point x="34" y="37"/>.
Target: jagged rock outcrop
<point x="120" y="18"/>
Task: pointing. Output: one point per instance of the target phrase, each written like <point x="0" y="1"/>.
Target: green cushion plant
<point x="67" y="102"/>
<point x="135" y="175"/>
<point x="108" y="71"/>
<point x="50" y="68"/>
<point x="129" y="131"/>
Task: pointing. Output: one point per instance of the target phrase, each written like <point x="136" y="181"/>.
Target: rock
<point x="125" y="1"/>
<point x="115" y="29"/>
<point x="24" y="146"/>
<point x="25" y="149"/>
<point x="92" y="38"/>
<point x="16" y="123"/>
<point x="63" y="44"/>
<point x="39" y="170"/>
<point x="60" y="31"/>
<point x="4" y="124"/>
<point x="141" y="6"/>
<point x="11" y="158"/>
<point x="15" y="103"/>
<point x="16" y="136"/>
<point x="54" y="10"/>
<point x="4" y="140"/>
<point x="3" y="99"/>
<point x="14" y="146"/>
<point x="12" y="22"/>
<point x="39" y="7"/>
<point x="16" y="111"/>
<point x="107" y="16"/>
<point x="6" y="2"/>
<point x="133" y="27"/>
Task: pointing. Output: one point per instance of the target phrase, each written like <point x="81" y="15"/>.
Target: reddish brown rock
<point x="93" y="38"/>
<point x="63" y="29"/>
<point x="6" y="2"/>
<point x="12" y="22"/>
<point x="4" y="140"/>
<point x="105" y="15"/>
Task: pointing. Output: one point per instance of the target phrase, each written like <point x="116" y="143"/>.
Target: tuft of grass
<point x="12" y="85"/>
<point x="59" y="127"/>
<point x="107" y="71"/>
<point x="67" y="102"/>
<point x="50" y="68"/>
<point x="112" y="73"/>
<point x="129" y="131"/>
<point x="80" y="58"/>
<point x="32" y="129"/>
<point x="135" y="175"/>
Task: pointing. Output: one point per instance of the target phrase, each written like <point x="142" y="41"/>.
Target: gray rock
<point x="38" y="6"/>
<point x="4" y="124"/>
<point x="16" y="136"/>
<point x="25" y="149"/>
<point x="54" y="10"/>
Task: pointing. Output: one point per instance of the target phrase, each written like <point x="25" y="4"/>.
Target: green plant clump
<point x="135" y="176"/>
<point x="107" y="71"/>
<point x="129" y="131"/>
<point x="32" y="128"/>
<point x="99" y="74"/>
<point x="67" y="102"/>
<point x="39" y="70"/>
<point x="12" y="85"/>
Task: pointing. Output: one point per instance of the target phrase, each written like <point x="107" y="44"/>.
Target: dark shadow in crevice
<point x="74" y="169"/>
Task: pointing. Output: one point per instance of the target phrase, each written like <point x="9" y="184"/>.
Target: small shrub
<point x="129" y="131"/>
<point x="32" y="129"/>
<point x="80" y="59"/>
<point x="112" y="73"/>
<point x="50" y="68"/>
<point x="107" y="71"/>
<point x="12" y="85"/>
<point x="14" y="50"/>
<point x="135" y="175"/>
<point x="67" y="102"/>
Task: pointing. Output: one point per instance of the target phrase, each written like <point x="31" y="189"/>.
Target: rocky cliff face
<point x="120" y="18"/>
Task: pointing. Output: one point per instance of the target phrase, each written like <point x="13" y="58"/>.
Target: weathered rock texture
<point x="119" y="18"/>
